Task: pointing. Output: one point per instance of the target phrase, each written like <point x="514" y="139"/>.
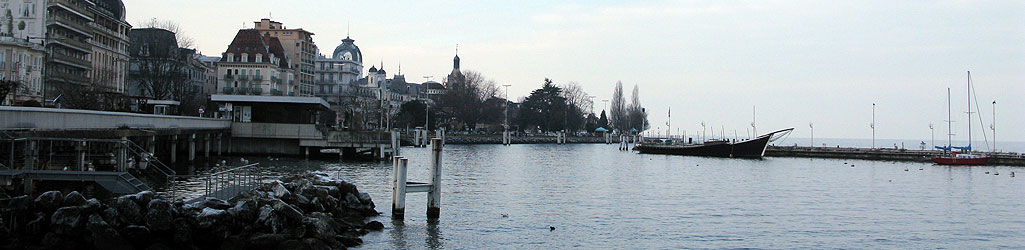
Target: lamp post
<point x="873" y="125"/>
<point x="606" y="105"/>
<point x="812" y="126"/>
<point x="427" y="102"/>
<point x="993" y="126"/>
<point x="932" y="133"/>
<point x="703" y="132"/>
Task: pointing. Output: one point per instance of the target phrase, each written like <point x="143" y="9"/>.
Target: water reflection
<point x="434" y="239"/>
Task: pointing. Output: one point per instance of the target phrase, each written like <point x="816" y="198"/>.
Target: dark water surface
<point x="598" y="197"/>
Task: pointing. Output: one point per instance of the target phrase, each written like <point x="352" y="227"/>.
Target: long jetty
<point x="883" y="154"/>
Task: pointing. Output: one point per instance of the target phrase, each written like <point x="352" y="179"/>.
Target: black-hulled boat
<point x="752" y="148"/>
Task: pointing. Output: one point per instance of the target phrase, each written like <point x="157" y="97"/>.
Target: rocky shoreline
<point x="299" y="212"/>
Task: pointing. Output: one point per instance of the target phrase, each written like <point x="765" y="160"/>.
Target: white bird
<point x="905" y="169"/>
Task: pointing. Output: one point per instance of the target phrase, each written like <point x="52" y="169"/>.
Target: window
<point x="259" y="58"/>
<point x="245" y="57"/>
<point x="1" y="59"/>
<point x="231" y="58"/>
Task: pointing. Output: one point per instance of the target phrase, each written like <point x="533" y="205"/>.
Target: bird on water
<point x="551" y="228"/>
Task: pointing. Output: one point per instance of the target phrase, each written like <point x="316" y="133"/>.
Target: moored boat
<point x="965" y="157"/>
<point x="752" y="148"/>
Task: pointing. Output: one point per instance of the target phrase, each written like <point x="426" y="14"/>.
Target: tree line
<point x="477" y="105"/>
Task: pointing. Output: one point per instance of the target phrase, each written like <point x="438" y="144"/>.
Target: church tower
<point x="456" y="77"/>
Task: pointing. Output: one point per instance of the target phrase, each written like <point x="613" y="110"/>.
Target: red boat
<point x="961" y="159"/>
<point x="965" y="158"/>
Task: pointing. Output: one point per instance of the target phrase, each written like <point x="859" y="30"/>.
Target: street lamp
<point x="606" y="105"/>
<point x="873" y="125"/>
<point x="932" y="133"/>
<point x="812" y="126"/>
<point x="993" y="126"/>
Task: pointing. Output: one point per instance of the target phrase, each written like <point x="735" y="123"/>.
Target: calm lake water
<point x="506" y="197"/>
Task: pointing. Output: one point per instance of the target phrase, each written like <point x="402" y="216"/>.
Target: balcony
<point x="276" y="92"/>
<point x="258" y="77"/>
<point x="291" y="82"/>
<point x="67" y="77"/>
<point x="229" y="76"/>
<point x="243" y="77"/>
<point x="68" y="5"/>
<point x="228" y="90"/>
<point x="257" y="91"/>
<point x="275" y="79"/>
<point x="71" y="43"/>
<point x="69" y="23"/>
<point x="70" y="60"/>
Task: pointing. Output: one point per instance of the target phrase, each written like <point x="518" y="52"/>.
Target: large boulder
<point x="139" y="236"/>
<point x="49" y="201"/>
<point x="66" y="220"/>
<point x="128" y="210"/>
<point x="182" y="235"/>
<point x="211" y="217"/>
<point x="104" y="236"/>
<point x="276" y="189"/>
<point x="215" y="203"/>
<point x="159" y="215"/>
<point x="374" y="226"/>
<point x="320" y="225"/>
<point x="91" y="206"/>
<point x="143" y="198"/>
<point x="74" y="199"/>
<point x="245" y="210"/>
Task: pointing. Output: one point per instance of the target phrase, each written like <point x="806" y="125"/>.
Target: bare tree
<point x="467" y="101"/>
<point x="618" y="114"/>
<point x="638" y="116"/>
<point x="183" y="40"/>
<point x="577" y="97"/>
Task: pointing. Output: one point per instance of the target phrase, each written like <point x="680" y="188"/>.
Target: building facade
<point x="254" y="64"/>
<point x="21" y="49"/>
<point x="299" y="49"/>
<point x="110" y="44"/>
<point x="68" y="49"/>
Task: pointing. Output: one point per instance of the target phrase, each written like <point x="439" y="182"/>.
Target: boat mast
<point x="949" y="121"/>
<point x="969" y="110"/>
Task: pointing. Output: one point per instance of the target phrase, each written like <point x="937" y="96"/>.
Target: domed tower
<point x="348" y="57"/>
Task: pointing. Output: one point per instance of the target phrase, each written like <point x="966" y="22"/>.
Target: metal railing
<point x="223" y="184"/>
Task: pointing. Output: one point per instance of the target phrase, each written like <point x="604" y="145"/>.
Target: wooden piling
<point x="206" y="146"/>
<point x="80" y="152"/>
<point x="398" y="207"/>
<point x="174" y="148"/>
<point x="192" y="147"/>
<point x="434" y="195"/>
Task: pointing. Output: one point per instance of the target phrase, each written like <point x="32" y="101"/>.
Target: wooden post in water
<point x="174" y="148"/>
<point x="152" y="145"/>
<point x="192" y="147"/>
<point x="416" y="138"/>
<point x="398" y="206"/>
<point x="434" y="195"/>
<point x="395" y="143"/>
<point x="206" y="146"/>
<point x="80" y="159"/>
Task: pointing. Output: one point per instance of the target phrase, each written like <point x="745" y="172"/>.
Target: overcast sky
<point x="799" y="62"/>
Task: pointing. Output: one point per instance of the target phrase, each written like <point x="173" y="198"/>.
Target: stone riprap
<point x="298" y="212"/>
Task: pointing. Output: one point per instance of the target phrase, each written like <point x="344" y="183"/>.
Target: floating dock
<point x="881" y="154"/>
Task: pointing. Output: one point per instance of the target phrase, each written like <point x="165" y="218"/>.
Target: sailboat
<point x="964" y="157"/>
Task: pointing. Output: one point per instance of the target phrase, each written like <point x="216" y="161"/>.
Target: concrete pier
<point x="1007" y="159"/>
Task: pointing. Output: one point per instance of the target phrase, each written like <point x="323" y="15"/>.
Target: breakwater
<point x="299" y="212"/>
<point x="884" y="154"/>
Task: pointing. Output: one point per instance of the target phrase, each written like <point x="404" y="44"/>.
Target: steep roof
<point x="252" y="43"/>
